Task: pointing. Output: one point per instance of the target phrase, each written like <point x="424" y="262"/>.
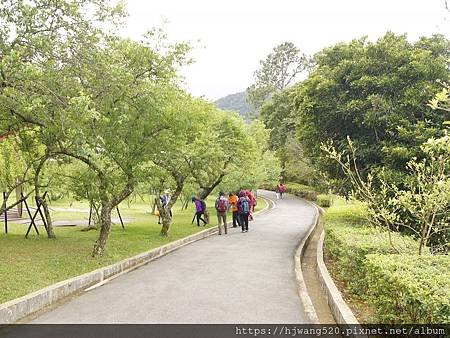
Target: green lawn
<point x="27" y="265"/>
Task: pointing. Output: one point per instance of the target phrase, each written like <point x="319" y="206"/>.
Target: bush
<point x="409" y="288"/>
<point x="302" y="191"/>
<point x="401" y="288"/>
<point x="325" y="201"/>
<point x="348" y="245"/>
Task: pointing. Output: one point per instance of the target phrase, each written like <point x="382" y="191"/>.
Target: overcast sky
<point x="231" y="37"/>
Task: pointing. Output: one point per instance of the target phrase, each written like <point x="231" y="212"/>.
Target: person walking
<point x="252" y="204"/>
<point x="233" y="201"/>
<point x="165" y="200"/>
<point x="282" y="190"/>
<point x="200" y="208"/>
<point x="222" y="208"/>
<point x="244" y="210"/>
<point x="277" y="191"/>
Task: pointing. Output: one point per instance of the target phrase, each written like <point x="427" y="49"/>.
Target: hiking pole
<point x="192" y="222"/>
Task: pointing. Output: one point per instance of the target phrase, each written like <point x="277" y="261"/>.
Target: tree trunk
<point x="207" y="190"/>
<point x="105" y="214"/>
<point x="48" y="218"/>
<point x="166" y="220"/>
<point x="105" y="221"/>
<point x="165" y="212"/>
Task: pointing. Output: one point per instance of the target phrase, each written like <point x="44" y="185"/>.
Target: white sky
<point x="231" y="37"/>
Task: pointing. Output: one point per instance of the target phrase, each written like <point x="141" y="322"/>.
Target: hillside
<point x="236" y="102"/>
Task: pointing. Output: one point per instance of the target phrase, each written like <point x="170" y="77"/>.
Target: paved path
<point x="236" y="278"/>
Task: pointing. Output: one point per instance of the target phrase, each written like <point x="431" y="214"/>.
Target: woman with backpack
<point x="222" y="208"/>
<point x="232" y="202"/>
<point x="244" y="210"/>
<point x="200" y="209"/>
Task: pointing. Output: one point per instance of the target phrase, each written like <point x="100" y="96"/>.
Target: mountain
<point x="236" y="102"/>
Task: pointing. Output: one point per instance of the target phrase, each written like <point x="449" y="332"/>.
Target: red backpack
<point x="221" y="205"/>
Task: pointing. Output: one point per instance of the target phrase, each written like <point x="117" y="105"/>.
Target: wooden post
<point x="120" y="217"/>
<point x="90" y="213"/>
<point x="38" y="205"/>
<point x="6" y="214"/>
<point x="32" y="219"/>
<point x="19" y="191"/>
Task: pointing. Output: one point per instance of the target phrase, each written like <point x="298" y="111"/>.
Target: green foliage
<point x="277" y="72"/>
<point x="278" y="116"/>
<point x="348" y="240"/>
<point x="401" y="288"/>
<point x="409" y="288"/>
<point x="12" y="164"/>
<point x="325" y="201"/>
<point x="377" y="94"/>
<point x="419" y="206"/>
<point x="302" y="191"/>
<point x="258" y="167"/>
<point x="109" y="108"/>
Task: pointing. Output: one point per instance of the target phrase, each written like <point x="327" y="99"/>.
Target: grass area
<point x="27" y="265"/>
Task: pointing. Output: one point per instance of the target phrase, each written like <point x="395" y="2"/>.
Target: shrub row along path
<point x="234" y="278"/>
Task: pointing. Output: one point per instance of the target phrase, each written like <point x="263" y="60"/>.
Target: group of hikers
<point x="241" y="204"/>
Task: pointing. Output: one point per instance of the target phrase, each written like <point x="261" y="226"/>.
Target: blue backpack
<point x="244" y="203"/>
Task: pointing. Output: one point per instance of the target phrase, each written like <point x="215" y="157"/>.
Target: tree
<point x="93" y="97"/>
<point x="420" y="207"/>
<point x="261" y="167"/>
<point x="14" y="171"/>
<point x="224" y="146"/>
<point x="175" y="157"/>
<point x="376" y="93"/>
<point x="279" y="70"/>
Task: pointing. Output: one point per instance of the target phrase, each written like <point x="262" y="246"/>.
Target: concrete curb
<point x="339" y="308"/>
<point x="16" y="309"/>
<point x="301" y="286"/>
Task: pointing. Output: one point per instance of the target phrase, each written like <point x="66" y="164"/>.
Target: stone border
<point x="301" y="286"/>
<point x="339" y="308"/>
<point x="16" y="309"/>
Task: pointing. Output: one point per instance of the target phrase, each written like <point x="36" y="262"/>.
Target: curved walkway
<point x="234" y="278"/>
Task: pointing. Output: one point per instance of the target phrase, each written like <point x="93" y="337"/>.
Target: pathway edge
<point x="339" y="308"/>
<point x="301" y="286"/>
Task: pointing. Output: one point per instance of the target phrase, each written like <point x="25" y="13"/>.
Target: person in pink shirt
<point x="252" y="203"/>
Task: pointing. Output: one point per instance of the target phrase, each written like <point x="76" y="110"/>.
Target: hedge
<point x="400" y="288"/>
<point x="325" y="201"/>
<point x="409" y="288"/>
<point x="349" y="245"/>
<point x="302" y="191"/>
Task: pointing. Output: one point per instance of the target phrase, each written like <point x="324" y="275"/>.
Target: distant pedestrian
<point x="277" y="191"/>
<point x="244" y="210"/>
<point x="222" y="208"/>
<point x="200" y="209"/>
<point x="233" y="201"/>
<point x="282" y="190"/>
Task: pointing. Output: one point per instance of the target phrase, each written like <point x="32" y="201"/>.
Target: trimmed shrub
<point x="349" y="245"/>
<point x="325" y="201"/>
<point x="409" y="288"/>
<point x="400" y="288"/>
<point x="302" y="191"/>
